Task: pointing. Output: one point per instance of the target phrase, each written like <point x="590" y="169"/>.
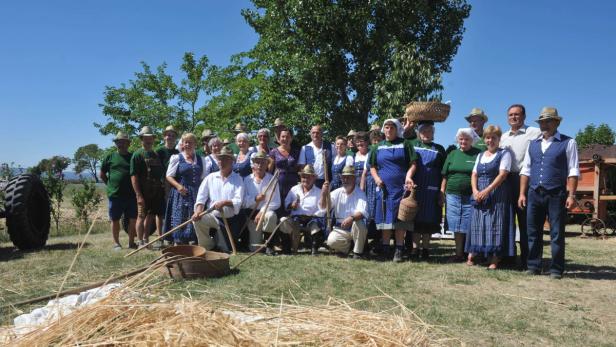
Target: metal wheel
<point x="593" y="227"/>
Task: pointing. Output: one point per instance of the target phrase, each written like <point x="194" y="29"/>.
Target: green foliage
<point x="338" y="61"/>
<point x="600" y="135"/>
<point x="154" y="99"/>
<point x="85" y="201"/>
<point x="87" y="158"/>
<point x="51" y="172"/>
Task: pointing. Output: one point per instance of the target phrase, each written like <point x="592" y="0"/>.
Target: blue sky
<point x="57" y="57"/>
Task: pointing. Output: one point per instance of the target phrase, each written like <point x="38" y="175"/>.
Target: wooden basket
<point x="427" y="110"/>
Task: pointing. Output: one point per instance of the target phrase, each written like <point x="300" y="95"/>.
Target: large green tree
<point x="591" y="135"/>
<point x="344" y="61"/>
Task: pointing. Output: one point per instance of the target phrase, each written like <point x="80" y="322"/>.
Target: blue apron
<point x="392" y="167"/>
<point x="428" y="181"/>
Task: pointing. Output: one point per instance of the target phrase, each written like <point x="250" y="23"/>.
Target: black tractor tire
<point x="27" y="212"/>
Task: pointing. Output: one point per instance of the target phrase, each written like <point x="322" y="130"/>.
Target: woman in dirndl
<point x="210" y="163"/>
<point x="242" y="165"/>
<point x="392" y="164"/>
<point x="341" y="160"/>
<point x="427" y="177"/>
<point x="184" y="174"/>
<point x="492" y="232"/>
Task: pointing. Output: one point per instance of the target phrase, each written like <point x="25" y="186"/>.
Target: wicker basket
<point x="427" y="110"/>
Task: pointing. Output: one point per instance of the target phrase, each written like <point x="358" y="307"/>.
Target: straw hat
<point x="348" y="171"/>
<point x="240" y="128"/>
<point x="278" y="123"/>
<point x="226" y="152"/>
<point x="375" y="126"/>
<point x="351" y="133"/>
<point x="548" y="113"/>
<point x="170" y="128"/>
<point x="146" y="131"/>
<point x="476" y="112"/>
<point x="225" y="141"/>
<point x="259" y="156"/>
<point x="308" y="170"/>
<point x="207" y="133"/>
<point x="121" y="136"/>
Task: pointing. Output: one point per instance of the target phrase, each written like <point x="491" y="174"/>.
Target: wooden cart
<point x="594" y="190"/>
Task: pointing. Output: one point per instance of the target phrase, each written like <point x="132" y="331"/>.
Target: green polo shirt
<point x="116" y="167"/>
<point x="457" y="169"/>
<point x="481" y="145"/>
<point x="165" y="154"/>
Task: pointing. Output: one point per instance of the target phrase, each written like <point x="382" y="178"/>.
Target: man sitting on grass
<point x="349" y="208"/>
<point x="222" y="190"/>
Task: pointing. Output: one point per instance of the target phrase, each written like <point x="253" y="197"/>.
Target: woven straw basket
<point x="427" y="110"/>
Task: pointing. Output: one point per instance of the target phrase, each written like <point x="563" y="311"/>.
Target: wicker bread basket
<point x="427" y="110"/>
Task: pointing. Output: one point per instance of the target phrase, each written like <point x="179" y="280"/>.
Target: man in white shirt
<point x="517" y="140"/>
<point x="314" y="152"/>
<point x="550" y="174"/>
<point x="224" y="191"/>
<point x="304" y="203"/>
<point x="349" y="209"/>
<point x="255" y="197"/>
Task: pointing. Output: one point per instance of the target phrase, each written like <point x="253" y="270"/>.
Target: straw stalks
<point x="141" y="313"/>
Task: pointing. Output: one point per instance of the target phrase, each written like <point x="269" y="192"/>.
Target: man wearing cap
<point x="278" y="127"/>
<point x="147" y="175"/>
<point x="550" y="173"/>
<point x="517" y="140"/>
<point x="255" y="197"/>
<point x="313" y="153"/>
<point x="115" y="172"/>
<point x="305" y="202"/>
<point x="206" y="135"/>
<point x="351" y="149"/>
<point x="476" y="119"/>
<point x="349" y="206"/>
<point x="239" y="128"/>
<point x="223" y="190"/>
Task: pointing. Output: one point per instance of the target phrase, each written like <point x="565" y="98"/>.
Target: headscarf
<point x="399" y="127"/>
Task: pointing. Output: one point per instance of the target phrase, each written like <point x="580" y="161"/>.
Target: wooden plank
<point x="607" y="198"/>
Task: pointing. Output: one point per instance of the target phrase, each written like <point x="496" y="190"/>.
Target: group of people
<point x="340" y="195"/>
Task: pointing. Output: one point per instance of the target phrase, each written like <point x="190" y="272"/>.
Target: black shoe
<point x="532" y="272"/>
<point x="357" y="256"/>
<point x="314" y="251"/>
<point x="398" y="256"/>
<point x="341" y="255"/>
<point x="270" y="251"/>
<point x="425" y="254"/>
<point x="132" y="245"/>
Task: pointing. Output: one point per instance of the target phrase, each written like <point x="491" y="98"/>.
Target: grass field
<point x="476" y="306"/>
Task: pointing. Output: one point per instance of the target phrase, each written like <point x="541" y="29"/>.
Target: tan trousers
<point x="291" y="227"/>
<point x="202" y="229"/>
<point x="256" y="236"/>
<point x="340" y="240"/>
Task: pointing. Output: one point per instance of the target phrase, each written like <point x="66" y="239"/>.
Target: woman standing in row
<point x="456" y="185"/>
<point x="341" y="160"/>
<point x="285" y="161"/>
<point x="242" y="164"/>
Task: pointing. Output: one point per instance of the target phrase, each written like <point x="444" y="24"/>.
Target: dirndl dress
<point x="392" y="164"/>
<point x="336" y="172"/>
<point x="492" y="230"/>
<point x="181" y="207"/>
<point x="428" y="181"/>
<point x="370" y="192"/>
<point x="243" y="168"/>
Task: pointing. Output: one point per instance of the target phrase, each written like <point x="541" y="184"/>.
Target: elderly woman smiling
<point x="242" y="161"/>
<point x="456" y="185"/>
<point x="392" y="163"/>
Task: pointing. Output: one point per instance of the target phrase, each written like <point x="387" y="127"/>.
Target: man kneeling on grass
<point x="222" y="190"/>
<point x="349" y="208"/>
<point x="306" y="211"/>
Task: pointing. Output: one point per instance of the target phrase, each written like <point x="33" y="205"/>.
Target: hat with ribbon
<point x="308" y="170"/>
<point x="548" y="113"/>
<point x="121" y="136"/>
<point x="348" y="171"/>
<point x="146" y="131"/>
<point x="170" y="128"/>
<point x="226" y="152"/>
<point x="476" y="112"/>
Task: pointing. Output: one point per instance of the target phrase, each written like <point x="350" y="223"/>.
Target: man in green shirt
<point x="476" y="120"/>
<point x="115" y="173"/>
<point x="206" y="136"/>
<point x="147" y="174"/>
<point x="167" y="149"/>
<point x="239" y="128"/>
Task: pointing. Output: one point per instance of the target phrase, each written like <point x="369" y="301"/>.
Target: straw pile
<point x="145" y="316"/>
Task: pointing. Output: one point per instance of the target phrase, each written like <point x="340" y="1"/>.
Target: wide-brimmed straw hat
<point x="259" y="156"/>
<point x="207" y="133"/>
<point x="278" y="123"/>
<point x="170" y="128"/>
<point x="146" y="131"/>
<point x="308" y="170"/>
<point x="348" y="171"/>
<point x="240" y="128"/>
<point x="226" y="152"/>
<point x="548" y="113"/>
<point x="351" y="133"/>
<point x="121" y="136"/>
<point x="476" y="112"/>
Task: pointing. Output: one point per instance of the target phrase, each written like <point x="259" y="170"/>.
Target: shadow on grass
<point x="10" y="253"/>
<point x="591" y="272"/>
<point x="65" y="246"/>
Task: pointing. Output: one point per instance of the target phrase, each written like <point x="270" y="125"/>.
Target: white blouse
<point x="174" y="162"/>
<point x="505" y="163"/>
